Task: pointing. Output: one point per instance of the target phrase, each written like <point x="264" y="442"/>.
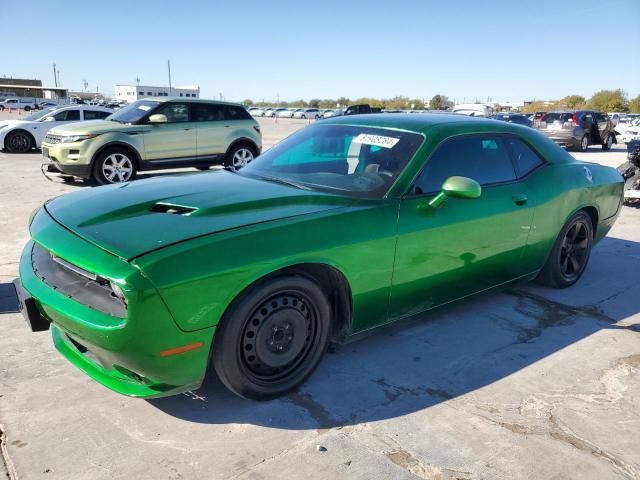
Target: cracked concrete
<point x="524" y="383"/>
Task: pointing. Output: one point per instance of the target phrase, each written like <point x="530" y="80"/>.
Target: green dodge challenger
<point x="347" y="225"/>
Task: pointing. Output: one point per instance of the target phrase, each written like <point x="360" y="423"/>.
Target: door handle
<point x="227" y="126"/>
<point x="186" y="128"/>
<point x="519" y="199"/>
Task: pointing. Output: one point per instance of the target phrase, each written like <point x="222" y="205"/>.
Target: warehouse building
<point x="131" y="93"/>
<point x="30" y="90"/>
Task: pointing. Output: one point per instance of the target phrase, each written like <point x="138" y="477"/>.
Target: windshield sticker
<point x="146" y="108"/>
<point x="377" y="140"/>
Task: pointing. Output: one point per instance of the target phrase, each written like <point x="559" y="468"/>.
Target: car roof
<point x="414" y="123"/>
<point x="191" y="100"/>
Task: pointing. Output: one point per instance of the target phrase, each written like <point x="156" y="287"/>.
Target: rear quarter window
<point x="525" y="159"/>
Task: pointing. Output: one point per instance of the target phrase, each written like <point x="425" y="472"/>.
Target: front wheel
<point x="114" y="165"/>
<point x="607" y="143"/>
<point x="238" y="157"/>
<point x="27" y="108"/>
<point x="570" y="254"/>
<point x="19" y="141"/>
<point x="272" y="337"/>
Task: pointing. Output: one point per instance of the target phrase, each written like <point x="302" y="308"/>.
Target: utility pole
<point x="277" y="99"/>
<point x="138" y="81"/>
<point x="169" y="69"/>
<point x="55" y="75"/>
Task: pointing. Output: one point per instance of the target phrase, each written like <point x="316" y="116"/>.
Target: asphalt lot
<point x="525" y="383"/>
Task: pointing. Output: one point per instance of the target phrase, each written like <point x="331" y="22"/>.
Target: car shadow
<point x="442" y="355"/>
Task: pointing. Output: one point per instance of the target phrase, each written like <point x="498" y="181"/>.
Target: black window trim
<point x="409" y="194"/>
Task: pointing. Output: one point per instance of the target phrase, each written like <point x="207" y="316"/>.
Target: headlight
<point x="117" y="291"/>
<point x="77" y="138"/>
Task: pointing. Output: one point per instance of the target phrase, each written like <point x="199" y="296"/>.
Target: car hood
<point x="14" y="123"/>
<point x="94" y="127"/>
<point x="134" y="218"/>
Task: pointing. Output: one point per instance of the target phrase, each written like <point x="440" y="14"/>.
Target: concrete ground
<point x="526" y="383"/>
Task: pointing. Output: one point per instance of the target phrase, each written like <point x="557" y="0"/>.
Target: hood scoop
<point x="172" y="209"/>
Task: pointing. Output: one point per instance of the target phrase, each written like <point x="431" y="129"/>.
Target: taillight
<point x="574" y="119"/>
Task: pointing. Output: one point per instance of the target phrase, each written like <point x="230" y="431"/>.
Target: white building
<point x="131" y="93"/>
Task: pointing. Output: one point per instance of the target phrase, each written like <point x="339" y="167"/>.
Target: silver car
<point x="308" y="113"/>
<point x="578" y="128"/>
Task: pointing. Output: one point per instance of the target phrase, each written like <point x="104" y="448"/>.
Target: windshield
<point x="133" y="112"/>
<point x="557" y="117"/>
<point x="41" y="114"/>
<point x="351" y="160"/>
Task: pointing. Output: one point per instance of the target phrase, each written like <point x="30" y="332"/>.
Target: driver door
<point x="175" y="140"/>
<point x="466" y="245"/>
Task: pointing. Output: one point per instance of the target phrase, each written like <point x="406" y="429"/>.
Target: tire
<point x="114" y="165"/>
<point x="570" y="254"/>
<point x="239" y="156"/>
<point x="584" y="143"/>
<point x="607" y="143"/>
<point x="27" y="108"/>
<point x="272" y="337"/>
<point x="19" y="141"/>
<point x="303" y="116"/>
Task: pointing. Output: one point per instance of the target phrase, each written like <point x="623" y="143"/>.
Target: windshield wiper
<point x="282" y="181"/>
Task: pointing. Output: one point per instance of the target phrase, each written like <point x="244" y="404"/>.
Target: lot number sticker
<point x="377" y="140"/>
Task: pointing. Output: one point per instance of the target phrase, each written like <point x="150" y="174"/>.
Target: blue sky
<point x="504" y="49"/>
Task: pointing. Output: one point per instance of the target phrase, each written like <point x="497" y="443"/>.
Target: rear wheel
<point x="19" y="142"/>
<point x="272" y="337"/>
<point x="570" y="253"/>
<point x="27" y="108"/>
<point x="607" y="143"/>
<point x="239" y="156"/>
<point x="115" y="165"/>
<point x="584" y="143"/>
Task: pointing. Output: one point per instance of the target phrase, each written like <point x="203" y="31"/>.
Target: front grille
<point x="76" y="283"/>
<point x="52" y="139"/>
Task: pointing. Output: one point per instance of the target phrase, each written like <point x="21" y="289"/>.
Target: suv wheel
<point x="239" y="156"/>
<point x="114" y="165"/>
<point x="607" y="143"/>
<point x="19" y="142"/>
<point x="584" y="144"/>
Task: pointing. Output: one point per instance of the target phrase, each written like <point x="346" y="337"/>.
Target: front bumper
<point x="54" y="169"/>
<point x="123" y="354"/>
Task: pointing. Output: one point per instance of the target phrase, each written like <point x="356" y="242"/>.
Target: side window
<point x="484" y="158"/>
<point x="67" y="116"/>
<point x="207" y="112"/>
<point x="95" y="115"/>
<point x="175" y="112"/>
<point x="232" y="112"/>
<point x="525" y="159"/>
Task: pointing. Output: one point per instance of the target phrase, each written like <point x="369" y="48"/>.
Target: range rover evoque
<point x="152" y="134"/>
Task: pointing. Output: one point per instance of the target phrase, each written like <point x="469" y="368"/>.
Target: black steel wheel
<point x="570" y="253"/>
<point x="272" y="337"/>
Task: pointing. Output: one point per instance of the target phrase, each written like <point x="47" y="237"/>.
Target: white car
<point x="286" y="113"/>
<point x="21" y="136"/>
<point x="631" y="133"/>
<point x="308" y="113"/>
<point x="473" y="109"/>
<point x="272" y="112"/>
<point x="256" y="111"/>
<point x="17" y="104"/>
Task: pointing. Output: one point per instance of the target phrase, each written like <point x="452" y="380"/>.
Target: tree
<point x="634" y="105"/>
<point x="609" y="101"/>
<point x="343" y="101"/>
<point x="247" y="102"/>
<point x="439" y="102"/>
<point x="314" y="103"/>
<point x="573" y="101"/>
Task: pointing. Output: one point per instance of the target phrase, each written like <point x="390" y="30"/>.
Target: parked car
<point x="473" y="109"/>
<point x="329" y="112"/>
<point x="257" y="111"/>
<point x="17" y="104"/>
<point x="361" y="109"/>
<point x="271" y="112"/>
<point x="313" y="113"/>
<point x="578" y="129"/>
<point x="631" y="133"/>
<point x="285" y="113"/>
<point x="22" y="136"/>
<point x="518" y="118"/>
<point x="152" y="134"/>
<point x="46" y="104"/>
<point x="345" y="226"/>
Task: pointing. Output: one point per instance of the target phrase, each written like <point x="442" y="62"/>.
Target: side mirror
<point x="50" y="119"/>
<point x="158" y="118"/>
<point x="458" y="187"/>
